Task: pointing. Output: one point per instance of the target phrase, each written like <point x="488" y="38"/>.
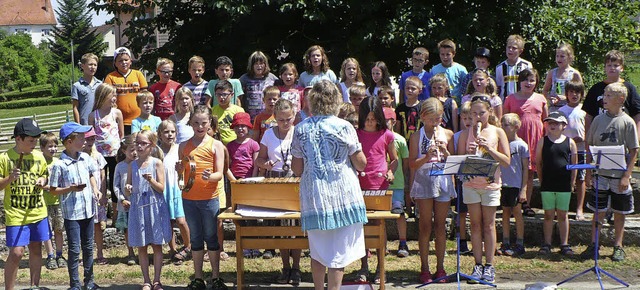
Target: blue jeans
<point x="80" y="234"/>
<point x="202" y="218"/>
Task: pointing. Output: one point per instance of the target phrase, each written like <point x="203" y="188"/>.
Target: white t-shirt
<point x="278" y="150"/>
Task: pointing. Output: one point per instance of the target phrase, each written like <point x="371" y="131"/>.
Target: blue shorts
<point x="20" y="236"/>
<point x="202" y="219"/>
<point x="398" y="196"/>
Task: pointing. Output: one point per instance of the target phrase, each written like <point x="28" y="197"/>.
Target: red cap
<point x="389" y="113"/>
<point x="241" y="118"/>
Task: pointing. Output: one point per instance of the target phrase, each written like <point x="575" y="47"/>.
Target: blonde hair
<point x="144" y="95"/>
<point x="270" y="90"/>
<point x="568" y="49"/>
<point x="179" y="94"/>
<point x="357" y="90"/>
<point x="414" y="80"/>
<point x="421" y="51"/>
<point x="517" y="39"/>
<point x="447" y="43"/>
<point x="512" y="119"/>
<point x="465" y="108"/>
<point x="440" y="78"/>
<point x="617" y="90"/>
<point x="163" y="126"/>
<point x="343" y="73"/>
<point x="345" y="110"/>
<point x="87" y="56"/>
<point x="48" y="137"/>
<point x="103" y="94"/>
<point x="196" y="60"/>
<point x="492" y="87"/>
<point x="431" y="106"/>
<point x="162" y="61"/>
<point x="324" y="98"/>
<point x="486" y="100"/>
<point x="283" y="105"/>
<point x="156" y="151"/>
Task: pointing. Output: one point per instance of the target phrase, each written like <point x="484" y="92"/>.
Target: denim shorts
<point x="20" y="236"/>
<point x="202" y="218"/>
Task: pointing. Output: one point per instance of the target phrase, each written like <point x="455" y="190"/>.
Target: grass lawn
<point x="401" y="272"/>
<point x="10" y="113"/>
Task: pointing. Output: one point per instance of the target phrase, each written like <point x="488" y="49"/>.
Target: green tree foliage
<point x="367" y="30"/>
<point x="74" y="20"/>
<point x="22" y="63"/>
<point x="592" y="27"/>
<point x="61" y="80"/>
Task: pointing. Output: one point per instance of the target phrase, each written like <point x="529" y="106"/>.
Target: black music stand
<point x="464" y="165"/>
<point x="596" y="268"/>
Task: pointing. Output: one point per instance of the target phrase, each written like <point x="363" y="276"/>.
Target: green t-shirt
<point x="403" y="152"/>
<point x="49" y="198"/>
<point x="225" y="117"/>
<point x="23" y="201"/>
<point x="211" y="91"/>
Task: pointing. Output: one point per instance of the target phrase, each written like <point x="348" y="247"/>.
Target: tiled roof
<point x="26" y="12"/>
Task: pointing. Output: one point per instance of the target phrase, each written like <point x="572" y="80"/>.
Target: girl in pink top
<point x="482" y="193"/>
<point x="378" y="147"/>
<point x="532" y="109"/>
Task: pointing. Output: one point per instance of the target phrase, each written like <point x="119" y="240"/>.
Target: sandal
<point x="284" y="276"/>
<point x="361" y="276"/>
<point x="101" y="261"/>
<point x="566" y="251"/>
<point x="527" y="211"/>
<point x="183" y="255"/>
<point x="295" y="277"/>
<point x="580" y="217"/>
<point x="157" y="286"/>
<point x="146" y="286"/>
<point x="376" y="279"/>
<point x="544" y="250"/>
<point x="224" y="256"/>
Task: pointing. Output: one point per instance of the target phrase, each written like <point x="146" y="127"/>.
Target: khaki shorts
<point x="55" y="217"/>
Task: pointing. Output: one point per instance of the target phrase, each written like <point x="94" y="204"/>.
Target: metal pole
<point x="73" y="77"/>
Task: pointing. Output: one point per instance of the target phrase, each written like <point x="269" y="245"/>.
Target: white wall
<point x="37" y="32"/>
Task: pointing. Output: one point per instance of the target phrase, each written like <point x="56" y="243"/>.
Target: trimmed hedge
<point x="40" y="91"/>
<point x="35" y="102"/>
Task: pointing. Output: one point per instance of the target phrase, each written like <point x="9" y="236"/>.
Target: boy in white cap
<point x="72" y="176"/>
<point x="24" y="206"/>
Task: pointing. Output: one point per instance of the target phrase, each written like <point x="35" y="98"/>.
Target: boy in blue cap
<point x="70" y="176"/>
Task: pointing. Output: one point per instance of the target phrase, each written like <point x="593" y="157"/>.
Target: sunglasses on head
<point x="481" y="98"/>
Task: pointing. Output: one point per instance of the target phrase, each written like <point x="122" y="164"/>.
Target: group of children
<point x="135" y="144"/>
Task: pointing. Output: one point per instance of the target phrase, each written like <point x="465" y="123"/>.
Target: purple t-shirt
<point x="241" y="156"/>
<point x="424" y="76"/>
<point x="374" y="146"/>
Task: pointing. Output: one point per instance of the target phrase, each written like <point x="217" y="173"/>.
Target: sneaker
<point x="515" y="251"/>
<point x="589" y="252"/>
<point x="51" y="263"/>
<point x="267" y="254"/>
<point x="255" y="253"/>
<point x="403" y="251"/>
<point x="476" y="274"/>
<point x="440" y="274"/>
<point x="131" y="260"/>
<point x="425" y="277"/>
<point x="489" y="274"/>
<point x="503" y="249"/>
<point x="246" y="253"/>
<point x="396" y="208"/>
<point x="197" y="284"/>
<point x="218" y="284"/>
<point x="618" y="254"/>
<point x="61" y="261"/>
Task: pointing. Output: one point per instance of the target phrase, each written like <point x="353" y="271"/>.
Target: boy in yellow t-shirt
<point x="23" y="173"/>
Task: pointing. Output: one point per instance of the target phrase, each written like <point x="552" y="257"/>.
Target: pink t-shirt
<point x="241" y="156"/>
<point x="530" y="111"/>
<point x="375" y="146"/>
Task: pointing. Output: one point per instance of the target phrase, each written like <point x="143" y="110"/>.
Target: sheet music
<point x="612" y="157"/>
<point x="261" y="212"/>
<point x="453" y="162"/>
<point x="257" y="179"/>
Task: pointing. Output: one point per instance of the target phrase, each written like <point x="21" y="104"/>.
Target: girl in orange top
<point x="128" y="83"/>
<point x="200" y="202"/>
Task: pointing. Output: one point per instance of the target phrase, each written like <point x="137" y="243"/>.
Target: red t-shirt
<point x="164" y="94"/>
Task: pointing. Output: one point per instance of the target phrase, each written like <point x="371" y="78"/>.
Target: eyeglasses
<point x="481" y="98"/>
<point x="167" y="72"/>
<point x="223" y="95"/>
<point x="142" y="144"/>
